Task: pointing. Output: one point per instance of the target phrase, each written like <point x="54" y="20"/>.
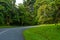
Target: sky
<point x="19" y="1"/>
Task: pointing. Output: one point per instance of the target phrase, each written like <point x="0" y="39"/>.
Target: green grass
<point x="7" y="26"/>
<point x="43" y="32"/>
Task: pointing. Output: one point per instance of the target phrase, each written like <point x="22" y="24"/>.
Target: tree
<point x="46" y="10"/>
<point x="29" y="5"/>
<point x="7" y="10"/>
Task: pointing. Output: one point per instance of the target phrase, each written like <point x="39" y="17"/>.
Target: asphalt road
<point x="12" y="33"/>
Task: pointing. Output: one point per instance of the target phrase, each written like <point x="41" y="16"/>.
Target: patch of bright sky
<point x="19" y="1"/>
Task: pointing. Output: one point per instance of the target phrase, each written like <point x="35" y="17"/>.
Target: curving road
<point x="13" y="33"/>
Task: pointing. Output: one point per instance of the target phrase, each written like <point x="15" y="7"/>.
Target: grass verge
<point x="43" y="32"/>
<point x="7" y="26"/>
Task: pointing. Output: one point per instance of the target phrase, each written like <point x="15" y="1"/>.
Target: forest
<point x="31" y="12"/>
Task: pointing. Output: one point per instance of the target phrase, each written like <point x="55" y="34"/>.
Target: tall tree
<point x="8" y="9"/>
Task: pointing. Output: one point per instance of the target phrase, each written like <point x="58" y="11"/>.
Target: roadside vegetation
<point x="8" y="26"/>
<point x="31" y="12"/>
<point x="43" y="32"/>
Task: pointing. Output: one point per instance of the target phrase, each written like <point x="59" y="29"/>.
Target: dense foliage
<point x="31" y="12"/>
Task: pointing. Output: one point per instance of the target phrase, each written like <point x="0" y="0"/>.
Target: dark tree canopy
<point x="31" y="12"/>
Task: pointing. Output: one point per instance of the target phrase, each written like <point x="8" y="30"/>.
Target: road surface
<point x="12" y="33"/>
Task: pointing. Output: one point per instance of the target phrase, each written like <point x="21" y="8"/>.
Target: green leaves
<point x="46" y="10"/>
<point x="30" y="12"/>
